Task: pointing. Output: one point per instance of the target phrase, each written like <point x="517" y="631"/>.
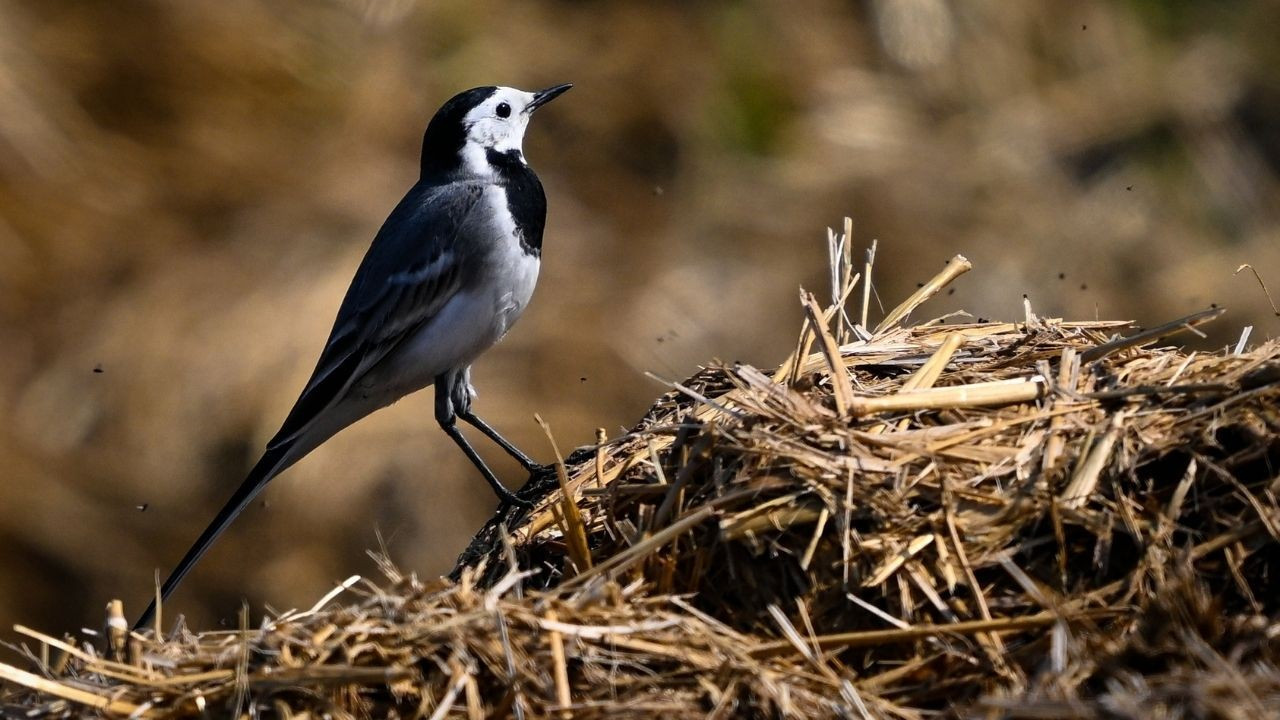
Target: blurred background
<point x="186" y="189"/>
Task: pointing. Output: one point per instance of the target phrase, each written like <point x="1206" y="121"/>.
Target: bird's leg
<point x="484" y="427"/>
<point x="503" y="494"/>
<point x="447" y="417"/>
<point x="461" y="395"/>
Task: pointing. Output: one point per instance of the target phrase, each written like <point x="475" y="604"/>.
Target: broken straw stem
<point x="998" y="392"/>
<point x="1149" y="336"/>
<point x="956" y="267"/>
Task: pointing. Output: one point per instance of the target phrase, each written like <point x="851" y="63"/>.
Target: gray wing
<point x="414" y="266"/>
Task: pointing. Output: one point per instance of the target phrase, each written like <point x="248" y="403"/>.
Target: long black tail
<point x="271" y="464"/>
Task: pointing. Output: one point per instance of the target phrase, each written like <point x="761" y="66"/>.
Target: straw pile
<point x="1035" y="519"/>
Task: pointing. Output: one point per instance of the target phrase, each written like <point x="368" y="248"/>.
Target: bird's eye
<point x="504" y="110"/>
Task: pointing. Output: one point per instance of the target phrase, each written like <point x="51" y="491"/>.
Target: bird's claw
<point x="511" y="498"/>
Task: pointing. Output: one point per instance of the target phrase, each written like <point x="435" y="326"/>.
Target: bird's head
<point x="475" y="121"/>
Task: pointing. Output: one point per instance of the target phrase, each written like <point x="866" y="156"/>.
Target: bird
<point x="450" y="271"/>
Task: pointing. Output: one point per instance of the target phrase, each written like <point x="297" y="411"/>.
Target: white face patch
<point x="498" y="123"/>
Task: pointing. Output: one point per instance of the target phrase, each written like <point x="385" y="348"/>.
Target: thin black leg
<point x="453" y="384"/>
<point x="502" y="442"/>
<point x="504" y="494"/>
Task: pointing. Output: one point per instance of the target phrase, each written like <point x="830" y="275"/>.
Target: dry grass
<point x="1035" y="519"/>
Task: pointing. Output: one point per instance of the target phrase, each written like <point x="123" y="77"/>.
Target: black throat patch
<point x="525" y="199"/>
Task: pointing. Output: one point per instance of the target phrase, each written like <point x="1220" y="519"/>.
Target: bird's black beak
<point x="542" y="97"/>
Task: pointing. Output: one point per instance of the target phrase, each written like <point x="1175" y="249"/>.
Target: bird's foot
<point x="537" y="470"/>
<point x="541" y="479"/>
<point x="506" y="497"/>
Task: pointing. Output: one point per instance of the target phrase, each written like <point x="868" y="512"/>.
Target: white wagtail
<point x="448" y="274"/>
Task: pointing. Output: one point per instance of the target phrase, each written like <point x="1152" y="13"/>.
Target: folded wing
<point x="412" y="269"/>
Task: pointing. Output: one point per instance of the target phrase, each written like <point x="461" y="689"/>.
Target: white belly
<point x="471" y="322"/>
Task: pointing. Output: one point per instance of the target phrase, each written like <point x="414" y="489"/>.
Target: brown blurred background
<point x="187" y="187"/>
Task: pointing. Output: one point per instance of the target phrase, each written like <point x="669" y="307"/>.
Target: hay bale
<point x="1035" y="519"/>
